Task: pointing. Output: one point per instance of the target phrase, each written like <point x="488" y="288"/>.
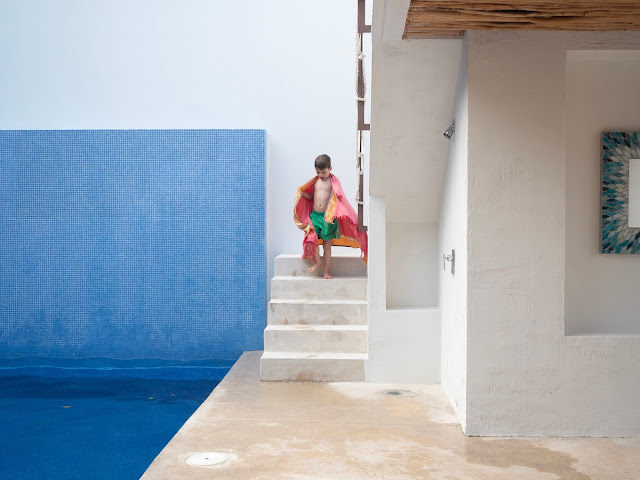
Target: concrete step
<point x="319" y="288"/>
<point x="317" y="312"/>
<point x="312" y="367"/>
<point x="341" y="266"/>
<point x="316" y="338"/>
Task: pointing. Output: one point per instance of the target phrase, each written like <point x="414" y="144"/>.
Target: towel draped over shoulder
<point x="338" y="208"/>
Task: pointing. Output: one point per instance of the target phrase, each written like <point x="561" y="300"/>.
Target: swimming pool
<point x="94" y="423"/>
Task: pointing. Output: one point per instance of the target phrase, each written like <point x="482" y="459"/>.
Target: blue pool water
<point x="92" y="427"/>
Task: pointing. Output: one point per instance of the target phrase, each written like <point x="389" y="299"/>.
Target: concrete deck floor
<point x="352" y="431"/>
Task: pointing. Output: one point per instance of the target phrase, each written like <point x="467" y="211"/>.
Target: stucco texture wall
<point x="524" y="376"/>
<point x="413" y="87"/>
<point x="453" y="236"/>
<point x="603" y="94"/>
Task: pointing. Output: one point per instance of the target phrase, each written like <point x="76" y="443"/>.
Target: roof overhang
<point x="451" y="18"/>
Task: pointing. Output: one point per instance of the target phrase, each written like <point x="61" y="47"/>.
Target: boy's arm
<point x="308" y="196"/>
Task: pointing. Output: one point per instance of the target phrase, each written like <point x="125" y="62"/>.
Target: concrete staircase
<point x="316" y="328"/>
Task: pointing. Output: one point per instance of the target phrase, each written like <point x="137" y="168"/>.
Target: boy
<point x="322" y="211"/>
<point x="320" y="195"/>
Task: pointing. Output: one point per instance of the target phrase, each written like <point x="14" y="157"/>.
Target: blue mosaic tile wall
<point x="132" y="244"/>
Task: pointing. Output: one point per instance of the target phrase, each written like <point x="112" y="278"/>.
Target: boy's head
<point x="323" y="166"/>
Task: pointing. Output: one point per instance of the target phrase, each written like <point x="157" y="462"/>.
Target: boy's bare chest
<point x="323" y="186"/>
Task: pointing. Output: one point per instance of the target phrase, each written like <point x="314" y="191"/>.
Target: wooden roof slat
<point x="565" y="12"/>
<point x="475" y="23"/>
<point x="429" y="18"/>
<point x="537" y="4"/>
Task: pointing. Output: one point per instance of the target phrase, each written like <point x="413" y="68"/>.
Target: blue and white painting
<point x="617" y="149"/>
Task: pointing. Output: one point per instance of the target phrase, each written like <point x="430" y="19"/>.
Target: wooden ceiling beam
<point x="451" y="18"/>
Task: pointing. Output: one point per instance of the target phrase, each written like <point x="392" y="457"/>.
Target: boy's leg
<point x="316" y="265"/>
<point x="327" y="258"/>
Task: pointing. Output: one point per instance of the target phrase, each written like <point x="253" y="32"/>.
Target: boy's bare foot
<point x="327" y="276"/>
<point x="314" y="267"/>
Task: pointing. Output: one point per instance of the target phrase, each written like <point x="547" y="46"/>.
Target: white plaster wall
<point x="603" y="94"/>
<point x="404" y="345"/>
<point x="453" y="236"/>
<point x="524" y="377"/>
<point x="413" y="87"/>
<point x="412" y="265"/>
<point x="285" y="66"/>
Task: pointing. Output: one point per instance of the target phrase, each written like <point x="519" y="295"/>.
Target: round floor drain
<point x="401" y="393"/>
<point x="207" y="459"/>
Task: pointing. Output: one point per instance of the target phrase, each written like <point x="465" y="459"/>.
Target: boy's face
<point x="324" y="173"/>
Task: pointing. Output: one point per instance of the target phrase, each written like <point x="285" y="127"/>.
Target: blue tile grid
<point x="132" y="244"/>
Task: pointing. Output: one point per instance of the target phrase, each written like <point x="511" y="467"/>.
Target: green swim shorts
<point x="325" y="231"/>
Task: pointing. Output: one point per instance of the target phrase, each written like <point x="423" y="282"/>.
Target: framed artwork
<point x="620" y="193"/>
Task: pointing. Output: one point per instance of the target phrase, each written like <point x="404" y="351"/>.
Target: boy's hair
<point x="323" y="161"/>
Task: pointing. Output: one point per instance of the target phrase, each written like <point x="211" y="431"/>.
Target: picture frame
<point x="617" y="237"/>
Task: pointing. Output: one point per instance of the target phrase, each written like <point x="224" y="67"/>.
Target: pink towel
<point x="339" y="208"/>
